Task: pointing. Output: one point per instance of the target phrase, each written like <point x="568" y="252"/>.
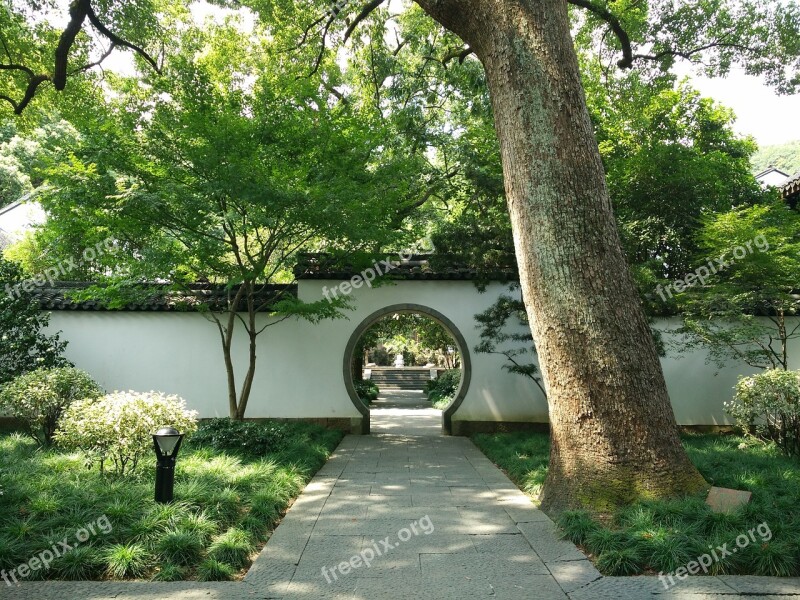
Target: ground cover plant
<point x="662" y="536"/>
<point x="226" y="503"/>
<point x="442" y="390"/>
<point x="367" y="390"/>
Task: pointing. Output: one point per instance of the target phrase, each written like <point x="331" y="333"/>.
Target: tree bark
<point x="252" y="335"/>
<point x="614" y="439"/>
<point x="226" y="332"/>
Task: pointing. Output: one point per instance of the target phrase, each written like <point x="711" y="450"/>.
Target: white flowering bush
<point x="767" y="405"/>
<point x="116" y="430"/>
<point x="38" y="398"/>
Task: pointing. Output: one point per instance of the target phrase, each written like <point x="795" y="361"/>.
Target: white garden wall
<point x="300" y="365"/>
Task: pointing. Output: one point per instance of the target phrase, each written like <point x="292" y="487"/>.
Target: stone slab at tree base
<point x="725" y="500"/>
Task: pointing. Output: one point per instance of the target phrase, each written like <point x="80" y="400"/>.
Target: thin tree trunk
<point x="247" y="385"/>
<point x="613" y="433"/>
<point x="226" y="334"/>
<point x="782" y="335"/>
<point x="252" y="333"/>
<point x="227" y="343"/>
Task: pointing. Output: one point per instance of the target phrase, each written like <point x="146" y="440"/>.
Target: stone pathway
<point x="395" y="516"/>
<point x="406" y="412"/>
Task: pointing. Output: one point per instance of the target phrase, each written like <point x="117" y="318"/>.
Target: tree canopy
<point x="741" y="313"/>
<point x="221" y="168"/>
<point x="43" y="48"/>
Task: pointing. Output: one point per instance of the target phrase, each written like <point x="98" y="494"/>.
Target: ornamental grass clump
<point x="767" y="405"/>
<point x="116" y="430"/>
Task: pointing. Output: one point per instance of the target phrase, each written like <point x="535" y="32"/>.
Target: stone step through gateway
<point x="401" y="378"/>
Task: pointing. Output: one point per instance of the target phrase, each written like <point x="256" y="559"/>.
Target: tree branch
<point x="624" y="39"/>
<point x="687" y="54"/>
<point x="96" y="63"/>
<point x="306" y="31"/>
<point x="461" y="55"/>
<point x="30" y="92"/>
<point x="34" y="81"/>
<point x="119" y="41"/>
<point x="22" y="68"/>
<point x="339" y="95"/>
<point x="365" y="12"/>
<point x="323" y="44"/>
<point x="77" y="12"/>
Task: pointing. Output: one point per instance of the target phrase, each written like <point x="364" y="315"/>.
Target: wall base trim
<point x="470" y="427"/>
<point x="345" y="424"/>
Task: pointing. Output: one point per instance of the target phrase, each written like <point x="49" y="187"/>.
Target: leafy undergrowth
<point x="664" y="536"/>
<point x="441" y="403"/>
<point x="226" y="504"/>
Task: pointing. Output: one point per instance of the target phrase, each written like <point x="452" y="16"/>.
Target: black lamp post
<point x="167" y="442"/>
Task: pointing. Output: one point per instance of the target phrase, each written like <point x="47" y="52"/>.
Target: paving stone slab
<point x="543" y="587"/>
<point x="749" y="584"/>
<point x="525" y="515"/>
<point x="413" y="513"/>
<point x="651" y="587"/>
<point x="502" y="568"/>
<point x="440" y="588"/>
<point x="502" y="544"/>
<point x="543" y="538"/>
<point x="573" y="575"/>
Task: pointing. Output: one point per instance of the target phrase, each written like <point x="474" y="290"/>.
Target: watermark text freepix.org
<point x="713" y="267"/>
<point x="54" y="273"/>
<point x="377" y="549"/>
<point x="716" y="554"/>
<point x="99" y="526"/>
<point x="370" y="274"/>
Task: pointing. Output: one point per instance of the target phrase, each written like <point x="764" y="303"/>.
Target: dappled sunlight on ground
<point x="405" y="412"/>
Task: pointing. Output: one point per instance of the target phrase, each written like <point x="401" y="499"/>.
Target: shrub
<point x="443" y="389"/>
<point x="39" y="398"/>
<point x="381" y="357"/>
<point x="118" y="427"/>
<point x="767" y="405"/>
<point x="367" y="390"/>
<point x="252" y="438"/>
<point x="24" y="346"/>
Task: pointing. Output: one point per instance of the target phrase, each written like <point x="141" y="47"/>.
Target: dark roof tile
<point x="416" y="267"/>
<point x="155" y="298"/>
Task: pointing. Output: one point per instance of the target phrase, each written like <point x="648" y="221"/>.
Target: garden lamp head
<point x="167" y="442"/>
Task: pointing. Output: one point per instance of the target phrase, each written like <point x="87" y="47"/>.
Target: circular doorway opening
<point x="407" y="357"/>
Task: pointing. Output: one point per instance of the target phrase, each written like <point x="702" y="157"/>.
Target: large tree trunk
<point x="613" y="432"/>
